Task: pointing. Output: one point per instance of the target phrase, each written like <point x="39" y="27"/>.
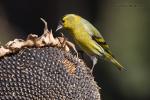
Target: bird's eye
<point x="63" y="21"/>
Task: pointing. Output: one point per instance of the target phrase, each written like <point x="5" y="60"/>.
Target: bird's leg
<point x="94" y="59"/>
<point x="70" y="44"/>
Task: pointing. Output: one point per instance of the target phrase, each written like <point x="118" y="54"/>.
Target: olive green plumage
<point x="88" y="38"/>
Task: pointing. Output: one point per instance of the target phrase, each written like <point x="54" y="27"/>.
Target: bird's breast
<point x="88" y="45"/>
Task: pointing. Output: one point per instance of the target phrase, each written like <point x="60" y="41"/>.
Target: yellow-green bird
<point x="88" y="38"/>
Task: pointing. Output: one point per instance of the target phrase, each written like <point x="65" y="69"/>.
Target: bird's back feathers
<point x="96" y="36"/>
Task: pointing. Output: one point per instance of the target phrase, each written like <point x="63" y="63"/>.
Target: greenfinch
<point x="88" y="38"/>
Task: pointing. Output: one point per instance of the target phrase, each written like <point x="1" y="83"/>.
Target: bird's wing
<point x="95" y="34"/>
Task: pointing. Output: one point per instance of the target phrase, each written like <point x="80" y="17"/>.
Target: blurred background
<point x="125" y="25"/>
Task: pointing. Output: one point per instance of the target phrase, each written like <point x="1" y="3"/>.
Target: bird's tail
<point x="111" y="59"/>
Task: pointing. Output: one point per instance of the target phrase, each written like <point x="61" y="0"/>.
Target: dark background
<point x="125" y="25"/>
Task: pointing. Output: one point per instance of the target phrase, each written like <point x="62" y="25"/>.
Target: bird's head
<point x="69" y="22"/>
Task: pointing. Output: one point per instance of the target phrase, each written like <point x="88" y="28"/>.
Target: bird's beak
<point x="60" y="26"/>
